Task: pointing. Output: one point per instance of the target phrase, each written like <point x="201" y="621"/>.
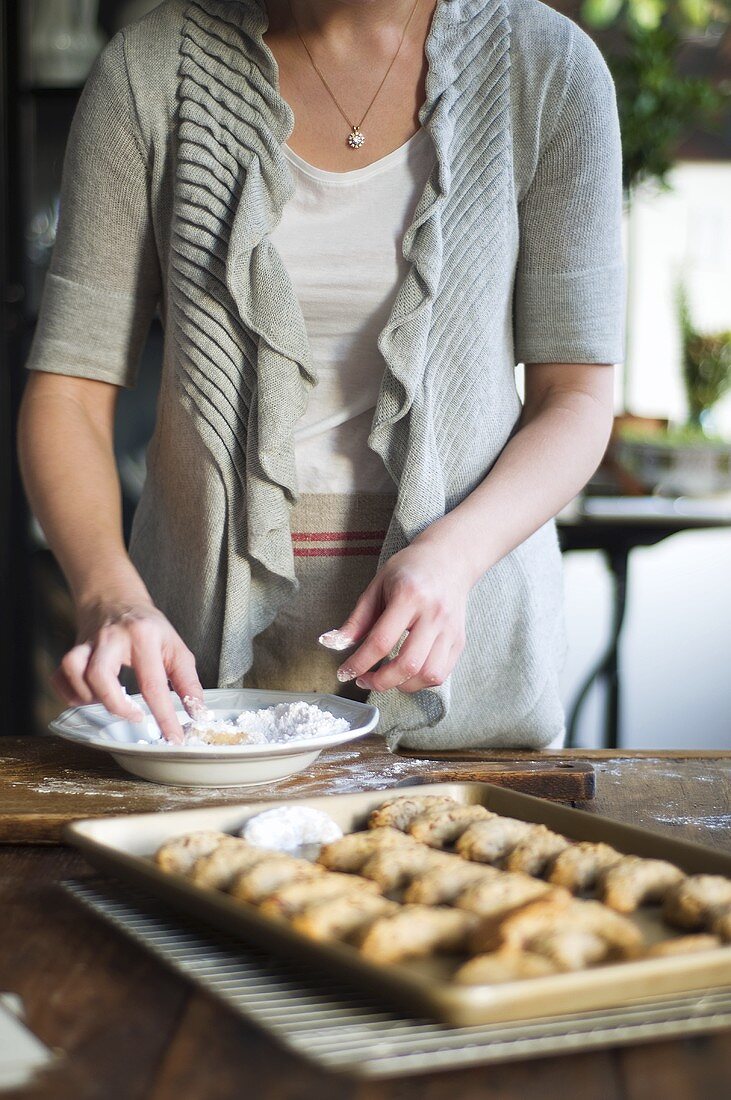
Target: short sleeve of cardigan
<point x="570" y="280"/>
<point x="103" y="283"/>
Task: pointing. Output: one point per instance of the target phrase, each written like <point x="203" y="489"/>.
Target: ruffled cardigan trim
<point x="243" y="359"/>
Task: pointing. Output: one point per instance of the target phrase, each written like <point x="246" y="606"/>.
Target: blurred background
<point x="647" y="547"/>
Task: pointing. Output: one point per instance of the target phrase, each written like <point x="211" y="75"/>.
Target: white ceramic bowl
<point x="219" y="766"/>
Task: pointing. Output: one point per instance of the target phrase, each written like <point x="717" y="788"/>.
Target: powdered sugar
<point x="292" y="721"/>
<point x="197" y="710"/>
<point x="335" y="639"/>
<point x="281" y="723"/>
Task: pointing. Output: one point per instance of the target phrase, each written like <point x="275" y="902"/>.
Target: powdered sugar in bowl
<point x="238" y="738"/>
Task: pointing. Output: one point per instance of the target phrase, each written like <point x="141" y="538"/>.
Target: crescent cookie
<point x="571" y="949"/>
<point x="503" y="966"/>
<point x="683" y="945"/>
<point x="296" y="896"/>
<point x="271" y="874"/>
<point x="394" y="868"/>
<point x="634" y="881"/>
<point x="492" y="896"/>
<point x="720" y="920"/>
<point x="341" y="917"/>
<point x="351" y="851"/>
<point x="689" y="903"/>
<point x="179" y="854"/>
<point x="442" y="884"/>
<point x="220" y="867"/>
<point x="398" y="813"/>
<point x="532" y="855"/>
<point x="518" y="927"/>
<point x="415" y="931"/>
<point x="488" y="841"/>
<point x="578" y="866"/>
<point x="441" y="825"/>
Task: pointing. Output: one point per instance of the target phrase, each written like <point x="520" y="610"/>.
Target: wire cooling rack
<point x="328" y="1022"/>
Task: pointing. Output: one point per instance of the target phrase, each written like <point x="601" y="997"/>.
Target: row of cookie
<point x="622" y="882"/>
<point x="407" y="870"/>
<point x="319" y="903"/>
<point x="552" y="936"/>
<point x="329" y="905"/>
<point x="573" y="934"/>
<point x="526" y="927"/>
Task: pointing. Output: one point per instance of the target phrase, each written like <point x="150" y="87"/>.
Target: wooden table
<point x="130" y="1029"/>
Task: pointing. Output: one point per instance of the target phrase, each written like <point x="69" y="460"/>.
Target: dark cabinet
<point x="36" y="617"/>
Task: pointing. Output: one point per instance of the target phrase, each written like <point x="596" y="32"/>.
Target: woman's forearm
<point x="67" y="461"/>
<point x="560" y="441"/>
<point x="66" y="435"/>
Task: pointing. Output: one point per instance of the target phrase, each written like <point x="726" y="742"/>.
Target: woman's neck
<point x="342" y="24"/>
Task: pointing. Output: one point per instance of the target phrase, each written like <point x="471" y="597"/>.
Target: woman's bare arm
<point x="66" y="435"/>
<point x="560" y="439"/>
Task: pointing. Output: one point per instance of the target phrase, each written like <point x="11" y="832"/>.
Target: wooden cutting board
<point x="46" y="782"/>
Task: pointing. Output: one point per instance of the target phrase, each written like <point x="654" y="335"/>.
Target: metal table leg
<point x="608" y="665"/>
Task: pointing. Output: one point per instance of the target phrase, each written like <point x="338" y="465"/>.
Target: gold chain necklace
<point x="356" y="137"/>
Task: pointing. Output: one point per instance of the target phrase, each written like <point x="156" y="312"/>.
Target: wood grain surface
<point x="46" y="782"/>
<point x="130" y="1030"/>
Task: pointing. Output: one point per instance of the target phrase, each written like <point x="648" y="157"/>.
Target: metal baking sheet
<point x="123" y="846"/>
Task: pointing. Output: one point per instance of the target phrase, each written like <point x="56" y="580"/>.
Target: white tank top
<point x="340" y="239"/>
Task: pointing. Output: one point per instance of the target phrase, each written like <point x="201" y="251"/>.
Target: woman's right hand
<point x="66" y="451"/>
<point x="135" y="634"/>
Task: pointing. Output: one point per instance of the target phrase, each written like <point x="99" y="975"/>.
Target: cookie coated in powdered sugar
<point x="294" y="829"/>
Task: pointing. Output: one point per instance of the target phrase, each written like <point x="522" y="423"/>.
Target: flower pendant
<point x="355" y="138"/>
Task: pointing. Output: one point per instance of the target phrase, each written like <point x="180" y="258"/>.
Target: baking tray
<point x="123" y="846"/>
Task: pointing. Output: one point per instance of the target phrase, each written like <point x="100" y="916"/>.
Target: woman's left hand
<point x="420" y="589"/>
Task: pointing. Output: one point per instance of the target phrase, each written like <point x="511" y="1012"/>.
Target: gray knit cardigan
<point x="173" y="181"/>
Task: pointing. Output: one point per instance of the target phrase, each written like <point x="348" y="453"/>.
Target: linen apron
<point x="337" y="540"/>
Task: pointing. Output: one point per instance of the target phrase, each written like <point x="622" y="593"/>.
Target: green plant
<point x="683" y="435"/>
<point x="650" y="13"/>
<point x="706" y="361"/>
<point x="657" y="103"/>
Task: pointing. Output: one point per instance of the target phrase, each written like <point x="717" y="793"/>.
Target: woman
<point x="339" y="440"/>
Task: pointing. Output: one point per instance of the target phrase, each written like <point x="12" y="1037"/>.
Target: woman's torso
<point x="236" y="329"/>
<point x="236" y="364"/>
